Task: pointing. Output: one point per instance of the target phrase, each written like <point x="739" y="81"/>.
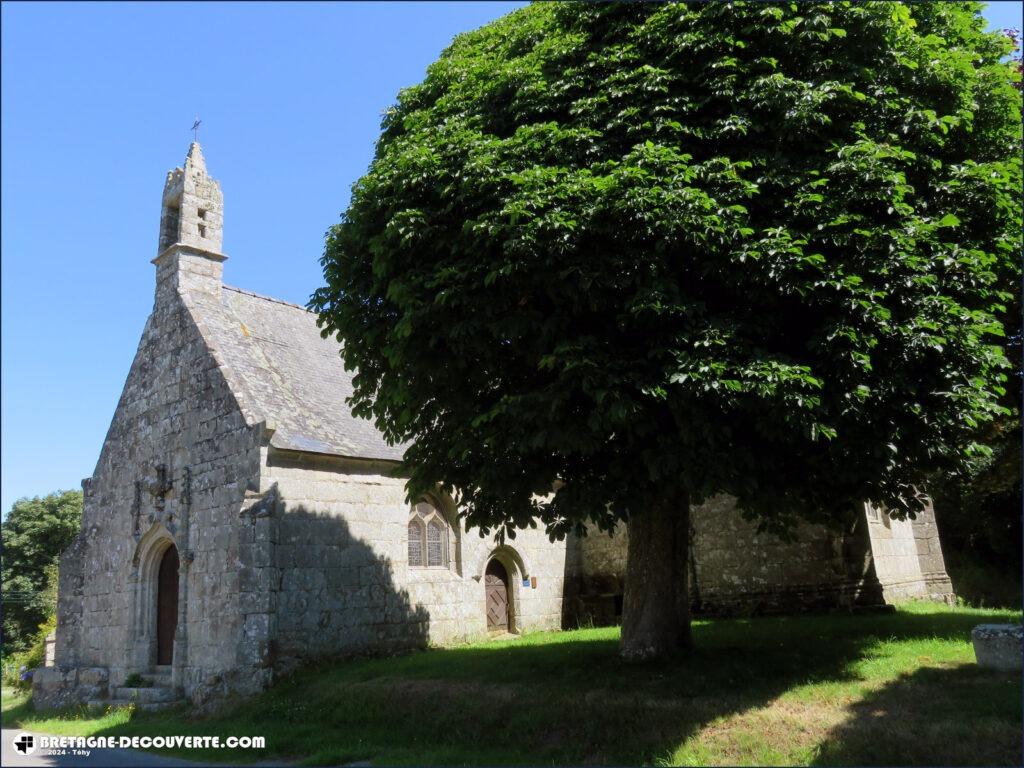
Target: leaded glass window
<point x="435" y="543"/>
<point x="428" y="536"/>
<point x="416" y="543"/>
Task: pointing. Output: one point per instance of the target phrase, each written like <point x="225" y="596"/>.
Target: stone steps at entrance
<point x="158" y="694"/>
<point x="158" y="679"/>
<point x="148" y="706"/>
<point x="161" y="693"/>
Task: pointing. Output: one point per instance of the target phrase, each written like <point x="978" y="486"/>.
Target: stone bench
<point x="998" y="646"/>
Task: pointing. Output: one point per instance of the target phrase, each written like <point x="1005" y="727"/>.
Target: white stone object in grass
<point x="998" y="646"/>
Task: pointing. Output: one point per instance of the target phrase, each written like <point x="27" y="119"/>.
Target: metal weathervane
<point x="195" y="129"/>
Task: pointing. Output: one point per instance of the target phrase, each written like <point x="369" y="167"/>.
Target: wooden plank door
<point x="496" y="581"/>
<point x="167" y="606"/>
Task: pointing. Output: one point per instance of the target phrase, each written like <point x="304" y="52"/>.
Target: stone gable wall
<point x="176" y="410"/>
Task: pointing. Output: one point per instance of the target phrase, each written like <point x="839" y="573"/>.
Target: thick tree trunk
<point x="656" y="604"/>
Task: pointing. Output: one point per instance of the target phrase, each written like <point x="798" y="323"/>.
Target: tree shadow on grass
<point x="568" y="699"/>
<point x="964" y="715"/>
<point x="575" y="701"/>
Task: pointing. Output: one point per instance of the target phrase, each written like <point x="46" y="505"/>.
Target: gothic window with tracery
<point x="428" y="536"/>
<point x="415" y="542"/>
<point x="435" y="543"/>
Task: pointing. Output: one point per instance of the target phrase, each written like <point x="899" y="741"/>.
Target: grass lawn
<point x="885" y="689"/>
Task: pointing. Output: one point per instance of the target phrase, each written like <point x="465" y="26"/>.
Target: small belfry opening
<point x="170" y="222"/>
<point x="167" y="605"/>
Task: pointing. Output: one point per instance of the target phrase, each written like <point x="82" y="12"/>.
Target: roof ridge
<point x="266" y="298"/>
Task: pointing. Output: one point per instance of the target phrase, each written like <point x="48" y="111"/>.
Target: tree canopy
<point x="649" y="252"/>
<point x="35" y="533"/>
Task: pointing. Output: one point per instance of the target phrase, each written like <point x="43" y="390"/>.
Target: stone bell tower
<point x="191" y="228"/>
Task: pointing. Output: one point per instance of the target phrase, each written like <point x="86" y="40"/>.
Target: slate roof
<point x="282" y="371"/>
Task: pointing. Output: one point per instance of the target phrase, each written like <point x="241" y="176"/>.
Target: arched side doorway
<point x="167" y="605"/>
<point x="499" y="597"/>
<point x="158" y="592"/>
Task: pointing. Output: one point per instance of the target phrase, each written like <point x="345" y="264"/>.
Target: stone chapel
<point x="241" y="520"/>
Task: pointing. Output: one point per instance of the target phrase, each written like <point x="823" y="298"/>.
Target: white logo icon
<point x="24" y="743"/>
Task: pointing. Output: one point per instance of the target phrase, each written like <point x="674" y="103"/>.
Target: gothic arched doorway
<point x="167" y="605"/>
<point x="496" y="582"/>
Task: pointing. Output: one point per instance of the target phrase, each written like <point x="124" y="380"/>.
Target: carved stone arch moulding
<point x="516" y="570"/>
<point x="152" y="544"/>
<point x="143" y="583"/>
<point x="510" y="557"/>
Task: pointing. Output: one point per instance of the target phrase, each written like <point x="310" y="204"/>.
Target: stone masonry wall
<point x="340" y="565"/>
<point x="733" y="569"/>
<point x="176" y="410"/>
<point x="908" y="556"/>
<point x="736" y="569"/>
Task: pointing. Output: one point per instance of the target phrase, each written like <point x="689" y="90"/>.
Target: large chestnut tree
<point x="612" y="259"/>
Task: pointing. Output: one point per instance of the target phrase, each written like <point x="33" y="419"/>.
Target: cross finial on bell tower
<point x="195" y="129"/>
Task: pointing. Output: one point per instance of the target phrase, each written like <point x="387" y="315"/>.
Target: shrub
<point x="17" y="667"/>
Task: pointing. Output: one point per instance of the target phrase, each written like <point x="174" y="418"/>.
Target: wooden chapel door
<point x="167" y="606"/>
<point x="496" y="581"/>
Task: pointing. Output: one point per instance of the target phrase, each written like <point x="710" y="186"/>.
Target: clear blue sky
<point x="97" y="101"/>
